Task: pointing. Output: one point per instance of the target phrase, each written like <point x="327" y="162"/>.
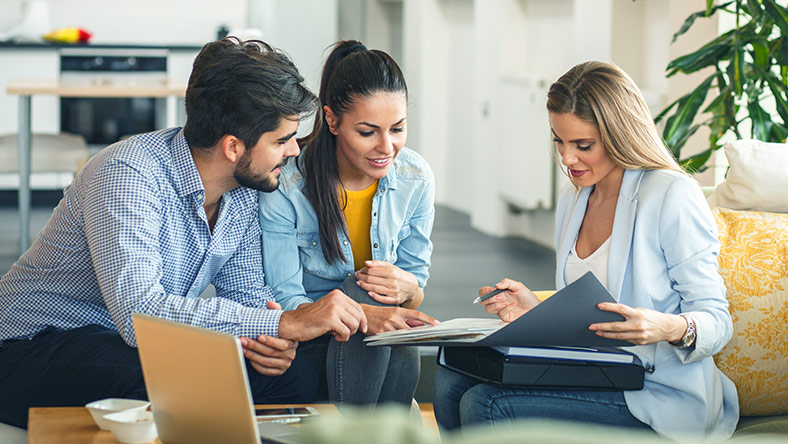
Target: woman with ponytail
<point x="355" y="211"/>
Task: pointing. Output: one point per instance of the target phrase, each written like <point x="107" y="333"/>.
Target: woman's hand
<point x="510" y="304"/>
<point x="383" y="319"/>
<point x="641" y="325"/>
<point x="389" y="284"/>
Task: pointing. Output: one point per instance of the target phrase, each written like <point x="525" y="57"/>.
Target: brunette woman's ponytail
<point x="351" y="71"/>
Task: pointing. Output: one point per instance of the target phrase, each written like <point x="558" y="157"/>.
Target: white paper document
<point x="460" y="329"/>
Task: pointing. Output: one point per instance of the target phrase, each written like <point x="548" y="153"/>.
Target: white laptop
<point x="197" y="384"/>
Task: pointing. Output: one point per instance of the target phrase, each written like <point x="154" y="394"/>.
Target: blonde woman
<point x="642" y="226"/>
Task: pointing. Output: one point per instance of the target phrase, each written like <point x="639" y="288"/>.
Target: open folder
<point x="561" y="320"/>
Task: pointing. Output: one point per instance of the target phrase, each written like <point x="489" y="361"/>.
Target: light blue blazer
<point x="663" y="256"/>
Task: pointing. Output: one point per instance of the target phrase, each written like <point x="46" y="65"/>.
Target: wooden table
<point x="27" y="88"/>
<point x="73" y="425"/>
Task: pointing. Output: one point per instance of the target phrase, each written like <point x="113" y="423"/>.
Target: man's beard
<point x="245" y="177"/>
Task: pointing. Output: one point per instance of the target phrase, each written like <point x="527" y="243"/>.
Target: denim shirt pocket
<point x="391" y="255"/>
<point x="311" y="253"/>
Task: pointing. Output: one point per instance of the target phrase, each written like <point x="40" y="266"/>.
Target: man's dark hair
<point x="242" y="89"/>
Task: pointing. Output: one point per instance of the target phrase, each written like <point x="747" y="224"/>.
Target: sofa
<point x="751" y="211"/>
<point x="754" y="265"/>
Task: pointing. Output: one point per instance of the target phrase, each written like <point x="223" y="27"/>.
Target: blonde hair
<point x="604" y="95"/>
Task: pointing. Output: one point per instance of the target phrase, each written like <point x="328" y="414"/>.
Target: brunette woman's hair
<point x="351" y="72"/>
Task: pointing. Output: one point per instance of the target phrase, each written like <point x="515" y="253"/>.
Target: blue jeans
<point x="460" y="400"/>
<point x="75" y="367"/>
<point x="353" y="374"/>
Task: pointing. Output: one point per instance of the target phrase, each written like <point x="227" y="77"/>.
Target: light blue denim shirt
<point x="402" y="216"/>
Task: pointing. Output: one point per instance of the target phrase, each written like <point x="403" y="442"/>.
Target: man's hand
<point x="269" y="356"/>
<point x="335" y="313"/>
<point x="382" y="319"/>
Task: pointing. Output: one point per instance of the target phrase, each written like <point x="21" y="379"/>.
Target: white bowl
<point x="111" y="405"/>
<point x="132" y="426"/>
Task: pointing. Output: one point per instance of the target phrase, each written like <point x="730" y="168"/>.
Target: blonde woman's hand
<point x="640" y="326"/>
<point x="513" y="302"/>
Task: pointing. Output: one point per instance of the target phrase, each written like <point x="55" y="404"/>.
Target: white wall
<point x="456" y="53"/>
<point x="191" y="22"/>
<point x="303" y="29"/>
<point x="459" y="180"/>
<point x="426" y="70"/>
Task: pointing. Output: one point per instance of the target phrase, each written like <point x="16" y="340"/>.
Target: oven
<point x="105" y="120"/>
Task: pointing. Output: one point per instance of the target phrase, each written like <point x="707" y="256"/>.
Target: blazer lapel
<point x="623" y="227"/>
<point x="570" y="229"/>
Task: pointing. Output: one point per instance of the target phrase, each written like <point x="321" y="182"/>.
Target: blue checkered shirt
<point x="131" y="236"/>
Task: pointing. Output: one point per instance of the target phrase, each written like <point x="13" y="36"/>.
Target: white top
<point x="595" y="263"/>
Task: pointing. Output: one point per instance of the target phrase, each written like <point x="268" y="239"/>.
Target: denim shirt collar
<point x="389" y="181"/>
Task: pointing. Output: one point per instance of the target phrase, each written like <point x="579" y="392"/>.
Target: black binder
<point x="491" y="366"/>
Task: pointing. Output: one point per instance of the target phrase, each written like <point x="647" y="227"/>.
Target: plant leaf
<point x="760" y="49"/>
<point x="708" y="12"/>
<point x="781" y="52"/>
<point x="709" y="54"/>
<point x="679" y="123"/>
<point x="665" y="111"/>
<point x="778" y="90"/>
<point x="779" y="133"/>
<point x="754" y="8"/>
<point x="723" y="117"/>
<point x="676" y="148"/>
<point x="761" y="121"/>
<point x="696" y="163"/>
<point x="737" y="68"/>
<point x="778" y="13"/>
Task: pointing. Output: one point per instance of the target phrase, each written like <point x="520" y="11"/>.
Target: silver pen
<point x="486" y="296"/>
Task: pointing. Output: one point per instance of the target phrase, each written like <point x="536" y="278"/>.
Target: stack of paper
<point x="465" y="330"/>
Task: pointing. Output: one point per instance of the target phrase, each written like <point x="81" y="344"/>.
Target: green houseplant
<point x="750" y="71"/>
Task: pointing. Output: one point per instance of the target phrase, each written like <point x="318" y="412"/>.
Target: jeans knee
<point x="442" y="384"/>
<point x="408" y="361"/>
<point x="477" y="405"/>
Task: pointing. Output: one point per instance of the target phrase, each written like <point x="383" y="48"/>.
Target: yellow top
<point x="358" y="217"/>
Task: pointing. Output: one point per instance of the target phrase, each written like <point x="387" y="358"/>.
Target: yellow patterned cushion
<point x="754" y="264"/>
